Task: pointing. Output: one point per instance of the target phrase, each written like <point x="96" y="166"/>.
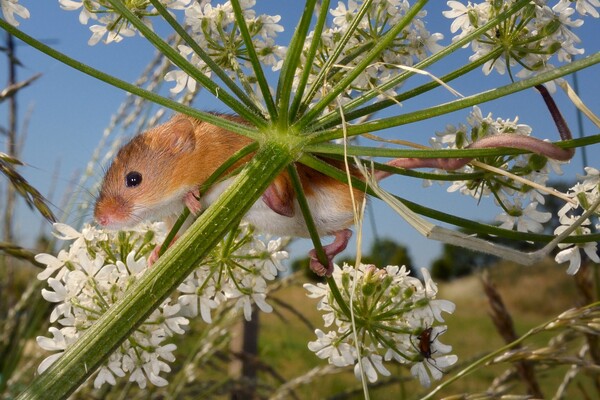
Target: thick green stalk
<point x="131" y="88"/>
<point x="95" y="346"/>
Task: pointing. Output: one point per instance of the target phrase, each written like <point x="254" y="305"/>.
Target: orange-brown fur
<point x="181" y="154"/>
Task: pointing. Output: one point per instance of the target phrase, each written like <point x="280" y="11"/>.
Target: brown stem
<point x="559" y="121"/>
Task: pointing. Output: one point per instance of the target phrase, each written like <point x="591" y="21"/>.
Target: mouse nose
<point x="102" y="219"/>
<point x="111" y="211"/>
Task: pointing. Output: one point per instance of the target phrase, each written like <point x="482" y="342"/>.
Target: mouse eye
<point x="133" y="179"/>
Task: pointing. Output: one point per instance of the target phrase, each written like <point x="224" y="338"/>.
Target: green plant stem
<point x="314" y="235"/>
<point x="337" y="295"/>
<point x="256" y="65"/>
<point x="305" y="209"/>
<point x="96" y="344"/>
<point x="404" y="119"/>
<point x="214" y="67"/>
<point x="345" y="82"/>
<point x="173" y="232"/>
<point x="333" y="58"/>
<point x="290" y="64"/>
<point x="128" y="87"/>
<point x="333" y="117"/>
<point x="186" y="66"/>
<point x="310" y="58"/>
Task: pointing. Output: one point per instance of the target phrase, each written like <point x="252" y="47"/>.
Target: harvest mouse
<point x="159" y="171"/>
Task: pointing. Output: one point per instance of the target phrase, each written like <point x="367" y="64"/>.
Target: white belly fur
<point x="327" y="216"/>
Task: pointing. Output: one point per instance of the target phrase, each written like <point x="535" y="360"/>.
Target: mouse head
<point x="144" y="180"/>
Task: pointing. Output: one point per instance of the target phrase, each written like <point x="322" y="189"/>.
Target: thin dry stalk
<point x="11" y="89"/>
<point x="585" y="284"/>
<point x="31" y="195"/>
<point x="504" y="325"/>
<point x="20" y="253"/>
<point x="569" y="376"/>
<point x="316" y="373"/>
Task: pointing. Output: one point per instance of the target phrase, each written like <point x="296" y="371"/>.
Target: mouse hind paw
<point x="340" y="242"/>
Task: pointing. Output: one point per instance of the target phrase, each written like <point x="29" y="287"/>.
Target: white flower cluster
<point x="411" y="45"/>
<point x="238" y="269"/>
<point x="108" y="22"/>
<point x="518" y="201"/>
<point x="584" y="194"/>
<point x="85" y="280"/>
<point x="530" y="38"/>
<point x="216" y="31"/>
<point x="394" y="315"/>
<point x="212" y="27"/>
<point x="100" y="266"/>
<point x="10" y="8"/>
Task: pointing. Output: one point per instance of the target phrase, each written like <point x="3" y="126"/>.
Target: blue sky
<point x="70" y="110"/>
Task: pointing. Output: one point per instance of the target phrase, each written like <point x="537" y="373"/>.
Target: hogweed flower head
<point x="215" y="29"/>
<point x="391" y="310"/>
<point x="96" y="271"/>
<point x="100" y="266"/>
<point x="531" y="38"/>
<point x="411" y="45"/>
<point x="584" y="194"/>
<point x="109" y="22"/>
<point x="237" y="269"/>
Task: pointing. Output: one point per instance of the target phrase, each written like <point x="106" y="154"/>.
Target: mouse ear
<point x="180" y="135"/>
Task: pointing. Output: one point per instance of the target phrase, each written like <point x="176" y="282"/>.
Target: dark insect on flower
<point x="424" y="346"/>
<point x="425" y="342"/>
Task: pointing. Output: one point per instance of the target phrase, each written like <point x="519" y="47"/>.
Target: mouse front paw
<point x="192" y="201"/>
<point x="156" y="252"/>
